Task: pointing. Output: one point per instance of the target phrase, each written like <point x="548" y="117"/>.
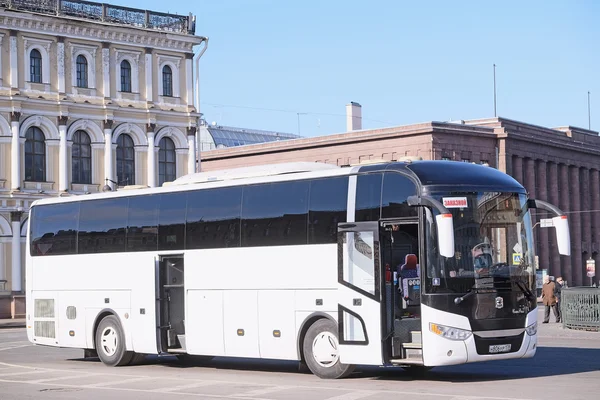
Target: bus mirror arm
<point x="444" y="223"/>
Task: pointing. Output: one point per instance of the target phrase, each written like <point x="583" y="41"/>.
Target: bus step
<point x="404" y="361"/>
<point x="181" y="339"/>
<point x="412" y="345"/>
<point x="415" y="336"/>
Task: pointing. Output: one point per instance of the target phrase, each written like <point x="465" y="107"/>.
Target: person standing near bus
<point x="549" y="299"/>
<point x="558" y="286"/>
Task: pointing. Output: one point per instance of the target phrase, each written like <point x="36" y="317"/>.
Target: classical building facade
<point x="558" y="165"/>
<point x="90" y="94"/>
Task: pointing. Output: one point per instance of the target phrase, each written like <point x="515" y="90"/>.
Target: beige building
<point x="559" y="165"/>
<point x="90" y="94"/>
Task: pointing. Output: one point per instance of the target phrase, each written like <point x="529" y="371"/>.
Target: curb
<point x="6" y="324"/>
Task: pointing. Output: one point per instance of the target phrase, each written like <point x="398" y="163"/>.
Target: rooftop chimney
<point x="353" y="116"/>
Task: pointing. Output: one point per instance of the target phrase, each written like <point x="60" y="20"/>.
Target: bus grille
<point x="44" y="329"/>
<point x="44" y="308"/>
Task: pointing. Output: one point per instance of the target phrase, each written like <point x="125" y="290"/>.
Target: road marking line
<point x="15" y="347"/>
<point x="23" y="373"/>
<point x="262" y="391"/>
<point x="84" y="375"/>
<point x="354" y="395"/>
<point x="101" y="384"/>
<point x="190" y="386"/>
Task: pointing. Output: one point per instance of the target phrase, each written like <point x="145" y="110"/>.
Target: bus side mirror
<point x="443" y="221"/>
<point x="445" y="230"/>
<point x="560" y="223"/>
<point x="563" y="237"/>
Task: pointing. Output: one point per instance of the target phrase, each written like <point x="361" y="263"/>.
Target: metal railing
<point x="580" y="308"/>
<point x="106" y="13"/>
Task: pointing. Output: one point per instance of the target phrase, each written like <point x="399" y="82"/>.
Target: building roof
<point x="227" y="136"/>
<point x="107" y="13"/>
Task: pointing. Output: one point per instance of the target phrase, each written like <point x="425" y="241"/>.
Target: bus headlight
<point x="449" y="332"/>
<point x="531" y="329"/>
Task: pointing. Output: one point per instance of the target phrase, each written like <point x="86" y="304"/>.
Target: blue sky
<point x="404" y="61"/>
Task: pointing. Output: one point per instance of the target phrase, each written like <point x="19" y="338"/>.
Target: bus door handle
<point x="357" y="302"/>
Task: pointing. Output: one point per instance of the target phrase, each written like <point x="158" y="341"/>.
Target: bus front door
<point x="359" y="293"/>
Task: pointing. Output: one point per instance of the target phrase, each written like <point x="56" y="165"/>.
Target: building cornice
<point x="97" y="31"/>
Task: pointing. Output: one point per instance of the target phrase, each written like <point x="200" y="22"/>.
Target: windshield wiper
<point x="525" y="290"/>
<point x="470" y="293"/>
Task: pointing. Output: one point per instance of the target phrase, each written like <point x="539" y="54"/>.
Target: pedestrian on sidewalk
<point x="549" y="299"/>
<point x="558" y="287"/>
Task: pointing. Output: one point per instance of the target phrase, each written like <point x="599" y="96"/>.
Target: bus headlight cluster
<point x="450" y="333"/>
<point x="531" y="329"/>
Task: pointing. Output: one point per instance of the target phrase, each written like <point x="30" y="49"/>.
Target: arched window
<point x="125" y="76"/>
<point x="167" y="75"/>
<point x="166" y="161"/>
<point x="125" y="160"/>
<point x="35" y="155"/>
<point x="35" y="66"/>
<point x="82" y="158"/>
<point x="82" y="71"/>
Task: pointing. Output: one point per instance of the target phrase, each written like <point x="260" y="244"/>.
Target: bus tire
<point x="321" y="351"/>
<point x="110" y="343"/>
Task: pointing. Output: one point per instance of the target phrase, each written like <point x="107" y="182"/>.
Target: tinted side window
<point x="54" y="229"/>
<point x="327" y="207"/>
<point x="396" y="189"/>
<point x="102" y="226"/>
<point x="142" y="229"/>
<point x="275" y="214"/>
<point x="213" y="218"/>
<point x="368" y="197"/>
<point x="171" y="221"/>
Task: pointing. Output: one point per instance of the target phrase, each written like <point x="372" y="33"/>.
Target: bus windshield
<point x="493" y="244"/>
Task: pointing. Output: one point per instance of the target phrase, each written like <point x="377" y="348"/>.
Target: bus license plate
<point x="499" y="348"/>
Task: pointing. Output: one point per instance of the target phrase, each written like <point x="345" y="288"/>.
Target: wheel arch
<point x="307" y="323"/>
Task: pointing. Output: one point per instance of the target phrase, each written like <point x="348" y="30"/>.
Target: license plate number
<point x="499" y="348"/>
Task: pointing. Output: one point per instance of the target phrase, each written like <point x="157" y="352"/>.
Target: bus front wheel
<point x="110" y="343"/>
<point x="322" y="353"/>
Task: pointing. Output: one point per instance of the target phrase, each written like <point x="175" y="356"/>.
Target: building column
<point x="586" y="221"/>
<point x="149" y="76"/>
<point x="542" y="194"/>
<point x="2" y="268"/>
<point x="14" y="61"/>
<point x="15" y="220"/>
<point x="63" y="161"/>
<point x="517" y="168"/>
<point x="553" y="196"/>
<point x="106" y="70"/>
<point x="564" y="205"/>
<point x="191" y="134"/>
<point x="60" y="57"/>
<point x="15" y="153"/>
<point x="189" y="80"/>
<point x="151" y="155"/>
<point x="576" y="259"/>
<point x="108" y="164"/>
<point x="595" y="216"/>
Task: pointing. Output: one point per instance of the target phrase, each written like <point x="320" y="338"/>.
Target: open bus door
<point x="359" y="293"/>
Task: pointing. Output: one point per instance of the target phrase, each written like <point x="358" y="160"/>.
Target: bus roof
<point x="429" y="174"/>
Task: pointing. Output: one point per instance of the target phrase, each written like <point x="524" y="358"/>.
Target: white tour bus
<point x="416" y="264"/>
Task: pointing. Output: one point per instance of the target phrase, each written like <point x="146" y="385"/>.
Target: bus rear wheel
<point x="110" y="343"/>
<point x="322" y="353"/>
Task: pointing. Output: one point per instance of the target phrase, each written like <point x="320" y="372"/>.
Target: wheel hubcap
<point x="109" y="341"/>
<point x="325" y="349"/>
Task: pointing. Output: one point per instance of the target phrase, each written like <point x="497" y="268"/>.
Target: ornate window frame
<point x="89" y="52"/>
<point x="175" y="64"/>
<point x="43" y="46"/>
<point x="134" y="60"/>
